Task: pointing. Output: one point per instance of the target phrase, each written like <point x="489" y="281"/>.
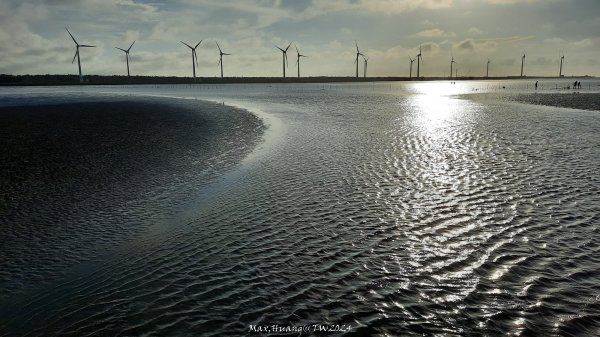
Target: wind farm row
<point x="418" y="58"/>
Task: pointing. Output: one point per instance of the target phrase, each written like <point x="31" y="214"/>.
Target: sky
<point x="33" y="39"/>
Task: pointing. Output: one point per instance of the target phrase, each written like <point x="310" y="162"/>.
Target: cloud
<point x="554" y="40"/>
<point x="428" y="23"/>
<point x="435" y="33"/>
<point x="481" y="45"/>
<point x="468" y="45"/>
<point x="508" y="62"/>
<point x="543" y="61"/>
<point x="585" y="43"/>
<point x="511" y="2"/>
<point x="515" y="38"/>
<point x="398" y="6"/>
<point x="430" y="47"/>
<point x="474" y="31"/>
<point x="377" y="6"/>
<point x="33" y="38"/>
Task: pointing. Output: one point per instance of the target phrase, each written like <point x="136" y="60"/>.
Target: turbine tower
<point x="358" y="53"/>
<point x="366" y="60"/>
<point x="221" y="53"/>
<point x="411" y="64"/>
<point x="522" y="63"/>
<point x="487" y="69"/>
<point x="298" y="59"/>
<point x="451" y="63"/>
<point x="284" y="56"/>
<point x="127" y="55"/>
<point x="419" y="58"/>
<point x="561" y="64"/>
<point x="77" y="54"/>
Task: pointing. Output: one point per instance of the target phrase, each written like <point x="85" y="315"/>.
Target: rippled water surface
<point x="391" y="209"/>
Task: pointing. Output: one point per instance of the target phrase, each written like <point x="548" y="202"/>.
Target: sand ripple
<point x="395" y="214"/>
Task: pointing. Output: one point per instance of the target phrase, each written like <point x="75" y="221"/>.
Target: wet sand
<point x="80" y="178"/>
<point x="575" y="100"/>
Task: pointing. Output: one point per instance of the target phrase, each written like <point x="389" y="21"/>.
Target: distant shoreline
<point x="58" y="80"/>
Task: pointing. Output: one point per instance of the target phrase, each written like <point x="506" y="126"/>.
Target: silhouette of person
<point x="536" y="82"/>
<point x="579" y="85"/>
<point x="575" y="85"/>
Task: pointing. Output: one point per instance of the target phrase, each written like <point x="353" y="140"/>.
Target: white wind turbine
<point x="77" y="53"/>
<point x="126" y="51"/>
<point x="221" y="53"/>
<point x="284" y="55"/>
<point x="194" y="56"/>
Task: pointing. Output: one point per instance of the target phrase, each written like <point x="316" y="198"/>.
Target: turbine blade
<point x="121" y="49"/>
<point x="128" y="49"/>
<point x="288" y="47"/>
<point x="86" y="45"/>
<point x="296" y="48"/>
<point x="195" y="56"/>
<point x="77" y="52"/>
<point x="227" y="54"/>
<point x="198" y="44"/>
<point x="280" y="49"/>
<point x="71" y="36"/>
<point x="220" y="51"/>
<point x="186" y="45"/>
<point x="356" y="44"/>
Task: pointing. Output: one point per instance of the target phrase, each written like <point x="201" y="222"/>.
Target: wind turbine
<point x="77" y="54"/>
<point x="194" y="56"/>
<point x="284" y="56"/>
<point x="419" y="59"/>
<point x="522" y="63"/>
<point x="298" y="60"/>
<point x="358" y="53"/>
<point x="487" y="69"/>
<point x="366" y="60"/>
<point x="411" y="64"/>
<point x="127" y="55"/>
<point x="561" y="64"/>
<point x="451" y="63"/>
<point x="221" y="53"/>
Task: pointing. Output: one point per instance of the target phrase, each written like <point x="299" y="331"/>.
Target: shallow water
<point x="392" y="209"/>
